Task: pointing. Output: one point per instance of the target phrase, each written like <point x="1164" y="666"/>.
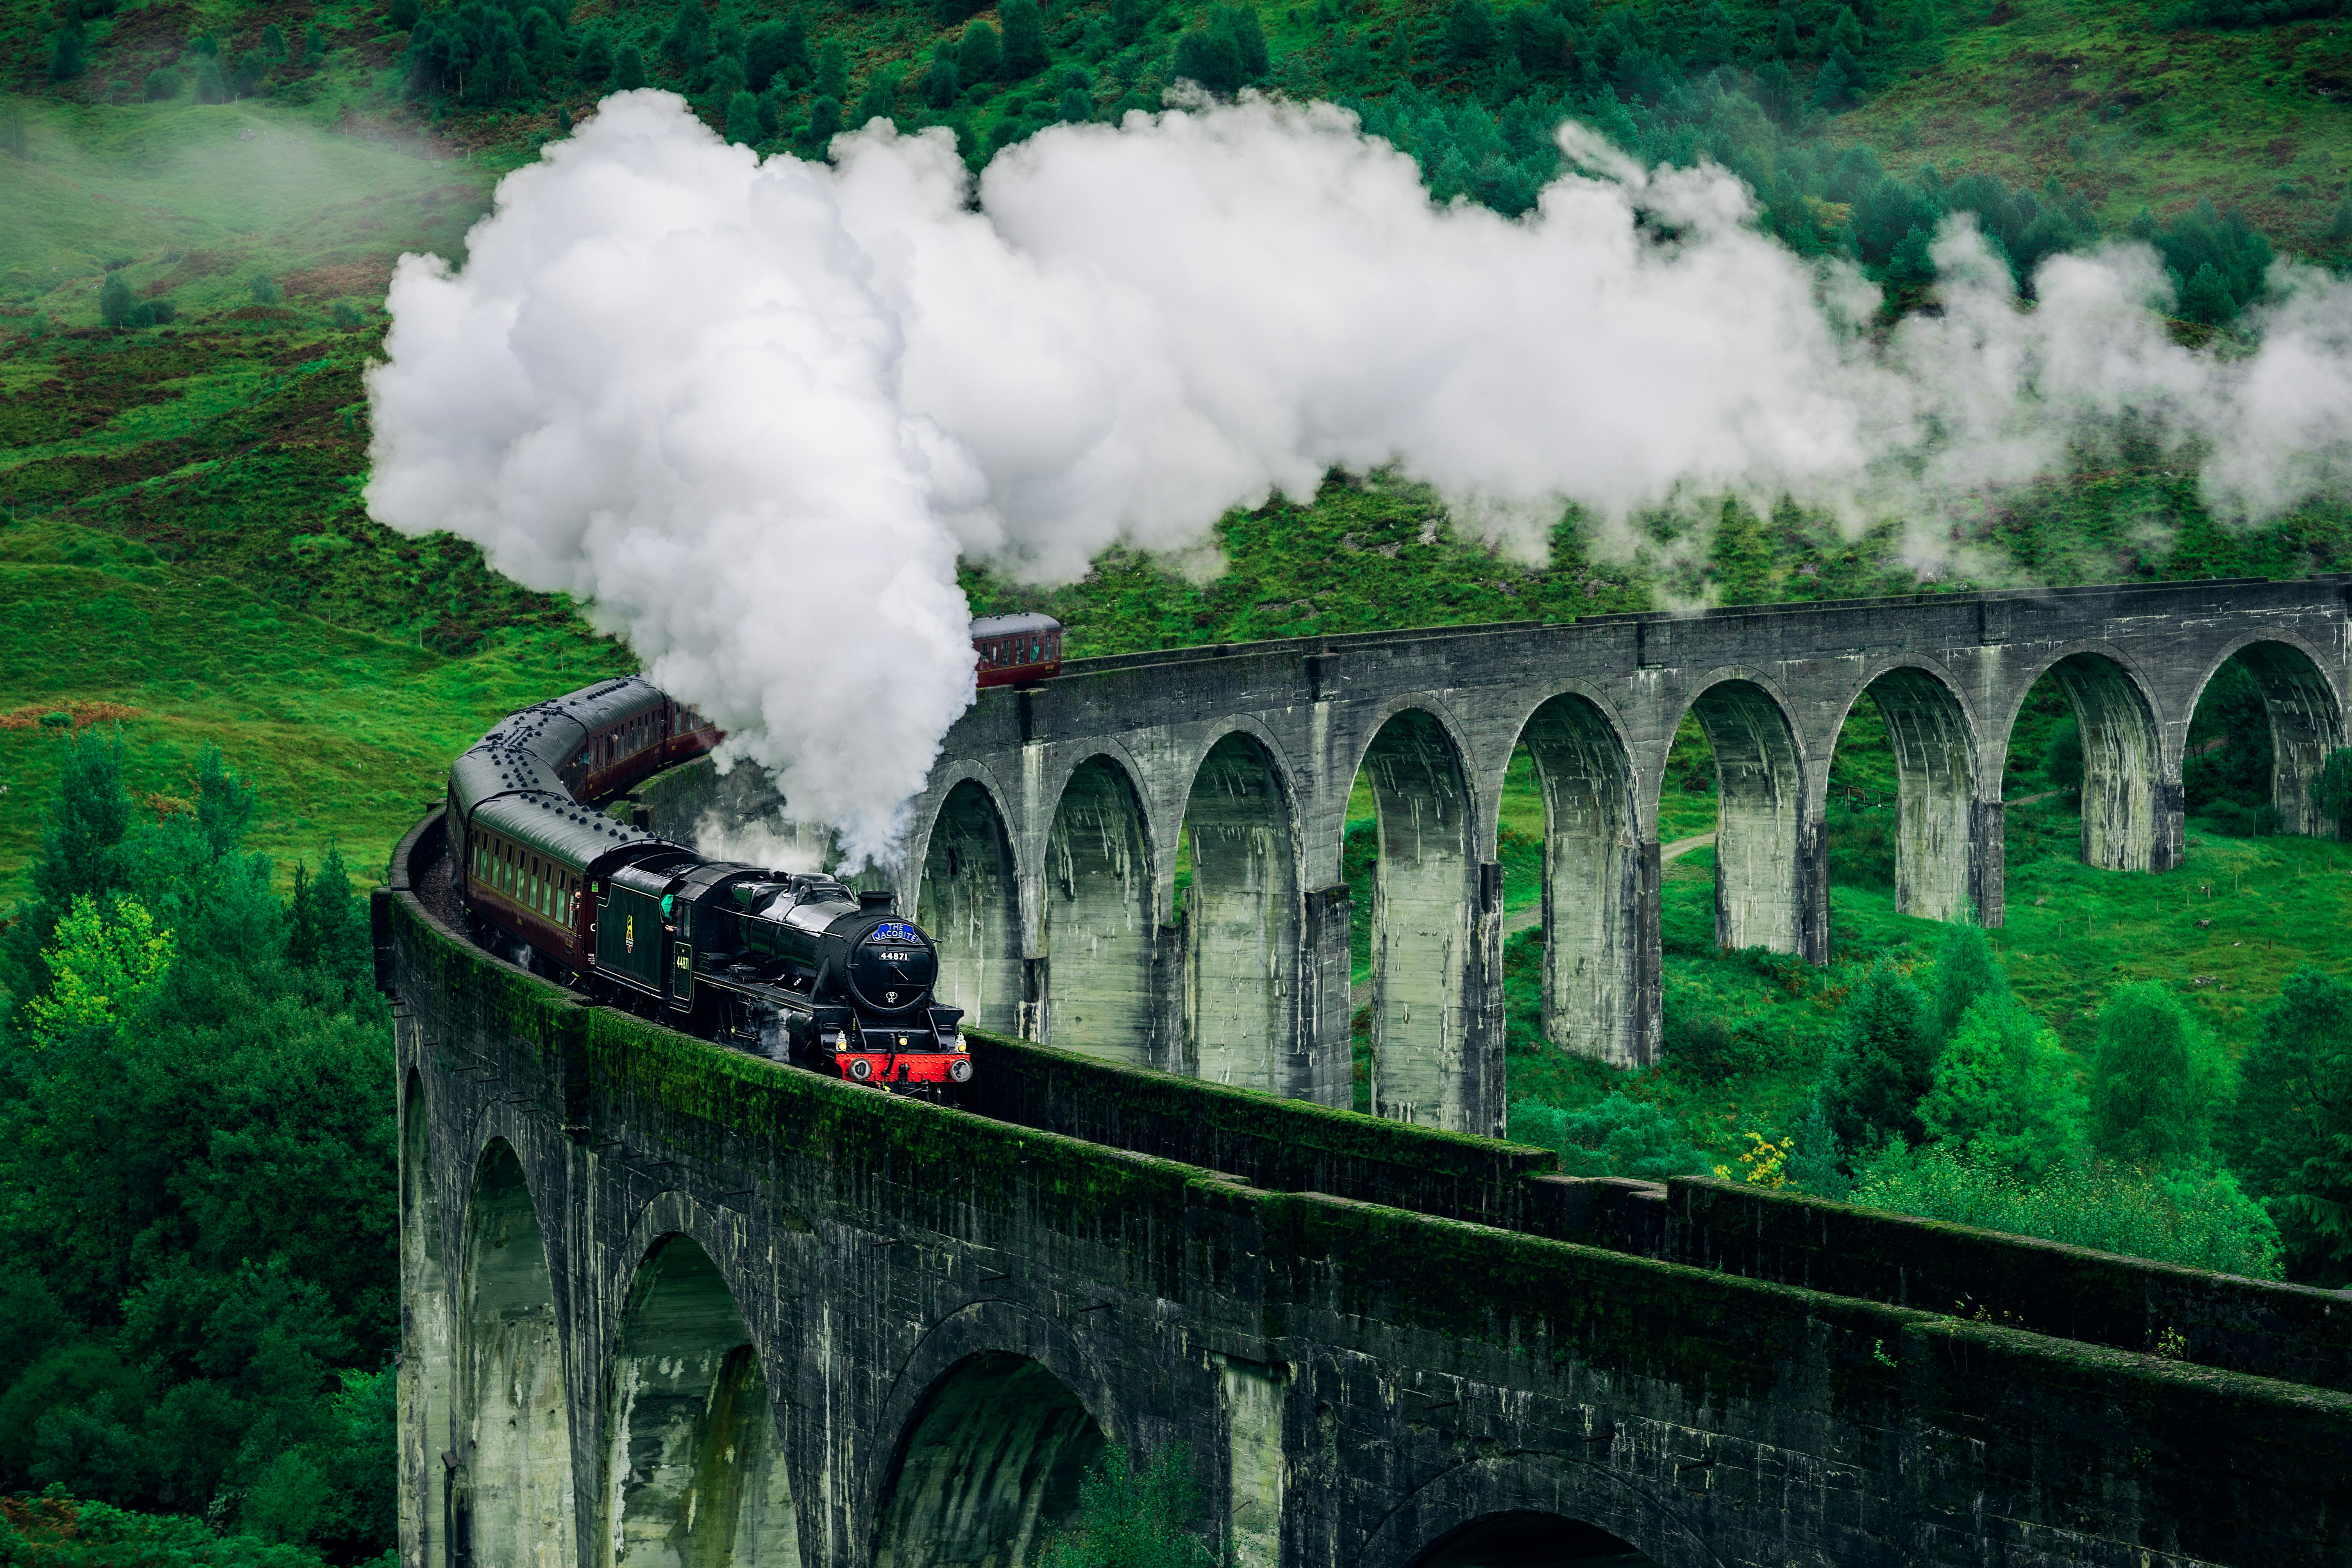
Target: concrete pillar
<point x="511" y="1492"/>
<point x="1424" y="944"/>
<point x="1327" y="1004"/>
<point x="694" y="1470"/>
<point x="1242" y="943"/>
<point x="2305" y="726"/>
<point x="425" y="1340"/>
<point x="2125" y="827"/>
<point x="970" y="906"/>
<point x="1591" y="887"/>
<point x="1935" y="771"/>
<point x="1988" y="860"/>
<point x="1099" y="979"/>
<point x="1649" y="957"/>
<point x="1760" y="893"/>
<point x="1249" y="1408"/>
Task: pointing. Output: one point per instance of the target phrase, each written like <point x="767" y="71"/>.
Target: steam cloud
<point x="751" y="412"/>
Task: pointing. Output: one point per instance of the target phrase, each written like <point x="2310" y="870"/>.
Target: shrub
<point x="1614" y="1136"/>
<point x="2198" y="1217"/>
<point x="1133" y="1516"/>
<point x="162" y="85"/>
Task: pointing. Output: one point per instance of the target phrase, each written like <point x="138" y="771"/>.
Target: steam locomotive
<point x="802" y="968"/>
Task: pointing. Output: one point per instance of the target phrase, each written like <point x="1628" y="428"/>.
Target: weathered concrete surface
<point x="664" y="1303"/>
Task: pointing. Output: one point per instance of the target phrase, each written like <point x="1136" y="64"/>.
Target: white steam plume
<point x="752" y="411"/>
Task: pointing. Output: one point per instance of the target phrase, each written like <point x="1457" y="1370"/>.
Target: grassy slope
<point x="2093" y="97"/>
<point x="180" y="517"/>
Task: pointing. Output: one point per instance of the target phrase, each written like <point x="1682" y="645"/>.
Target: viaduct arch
<point x="1048" y="847"/>
<point x="666" y="1303"/>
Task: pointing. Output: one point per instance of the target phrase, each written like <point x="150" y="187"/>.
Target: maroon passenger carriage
<point x="797" y="965"/>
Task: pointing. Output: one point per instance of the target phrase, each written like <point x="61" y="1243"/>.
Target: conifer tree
<point x="941" y="83"/>
<point x="1469" y="32"/>
<point x="1883" y="1065"/>
<point x="628" y="68"/>
<point x="114" y="299"/>
<point x="595" y="64"/>
<point x="833" y="71"/>
<point x="743" y="118"/>
<point x="65" y="60"/>
<point x="1024" y="39"/>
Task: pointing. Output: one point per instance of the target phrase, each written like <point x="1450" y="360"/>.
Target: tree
<point x="1846" y="32"/>
<point x="314" y="45"/>
<point x="1784" y="35"/>
<point x="880" y="99"/>
<point x="162" y="84"/>
<point x="273" y="43"/>
<point x="1128" y="19"/>
<point x="66" y="50"/>
<point x="743" y="118"/>
<point x="1076" y="106"/>
<point x="628" y="68"/>
<point x="402" y="14"/>
<point x="2290" y="1134"/>
<point x="2156" y="1080"/>
<point x="1024" y="38"/>
<point x="1840" y="84"/>
<point x="1469" y="32"/>
<point x="777" y="48"/>
<point x="2003" y="1095"/>
<point x="1718" y="39"/>
<point x="941" y="83"/>
<point x="105" y="965"/>
<point x="687" y="45"/>
<point x="2341" y="228"/>
<point x="595" y="64"/>
<point x="1883" y="1065"/>
<point x="113" y="299"/>
<point x="1967" y="972"/>
<point x="81" y="841"/>
<point x="824" y="120"/>
<point x="833" y="70"/>
<point x="2206" y="297"/>
<point x="212" y="87"/>
<point x="981" y="54"/>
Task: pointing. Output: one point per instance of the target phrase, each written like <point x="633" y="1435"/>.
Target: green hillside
<point x="205" y="200"/>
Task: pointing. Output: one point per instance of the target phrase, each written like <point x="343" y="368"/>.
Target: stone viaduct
<point x="665" y="1303"/>
<point x="1045" y="851"/>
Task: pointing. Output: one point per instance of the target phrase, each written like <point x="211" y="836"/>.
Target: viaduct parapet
<point x="667" y="1304"/>
<point x="1044" y="852"/>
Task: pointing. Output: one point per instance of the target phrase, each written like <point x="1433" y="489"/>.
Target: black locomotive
<point x="800" y="967"/>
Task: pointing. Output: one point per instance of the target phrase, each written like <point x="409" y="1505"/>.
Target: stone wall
<point x="666" y="1301"/>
